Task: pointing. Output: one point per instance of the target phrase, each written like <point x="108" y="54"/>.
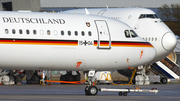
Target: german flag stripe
<point x="123" y="44"/>
<point x="39" y="42"/>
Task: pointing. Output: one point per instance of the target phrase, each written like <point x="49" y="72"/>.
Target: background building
<point x="15" y="5"/>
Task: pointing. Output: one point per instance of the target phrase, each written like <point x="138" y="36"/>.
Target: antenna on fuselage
<point x="87" y="12"/>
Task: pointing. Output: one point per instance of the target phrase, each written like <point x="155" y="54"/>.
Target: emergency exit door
<point x="104" y="39"/>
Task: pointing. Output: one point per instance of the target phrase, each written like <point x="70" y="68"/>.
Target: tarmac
<point x="68" y="92"/>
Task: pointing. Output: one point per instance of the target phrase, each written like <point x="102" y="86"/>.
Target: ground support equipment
<point x="128" y="90"/>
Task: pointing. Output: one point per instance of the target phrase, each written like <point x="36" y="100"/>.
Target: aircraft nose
<point x="169" y="41"/>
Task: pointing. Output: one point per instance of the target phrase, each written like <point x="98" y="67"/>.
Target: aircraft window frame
<point x="62" y="33"/>
<point x="13" y="31"/>
<point x="69" y="33"/>
<point x="127" y="34"/>
<point x="133" y="34"/>
<point x="89" y="33"/>
<point x="76" y="33"/>
<point x="48" y="32"/>
<point x="6" y="31"/>
<point x="34" y="32"/>
<point x="83" y="33"/>
<point x="20" y="31"/>
<point x="27" y="32"/>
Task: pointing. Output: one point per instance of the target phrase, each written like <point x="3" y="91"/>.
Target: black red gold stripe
<point x="39" y="42"/>
<point x="123" y="44"/>
<point x="72" y="42"/>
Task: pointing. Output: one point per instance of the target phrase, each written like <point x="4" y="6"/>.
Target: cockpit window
<point x="133" y="34"/>
<point x="153" y="16"/>
<point x="127" y="34"/>
<point x="142" y="16"/>
<point x="150" y="16"/>
<point x="156" y="16"/>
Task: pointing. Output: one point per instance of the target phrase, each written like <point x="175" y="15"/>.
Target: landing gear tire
<point x="163" y="80"/>
<point x="125" y="93"/>
<point x="120" y="93"/>
<point x="91" y="90"/>
<point x="86" y="91"/>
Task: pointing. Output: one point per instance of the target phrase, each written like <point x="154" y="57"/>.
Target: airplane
<point x="54" y="41"/>
<point x="147" y="25"/>
<point x="144" y="22"/>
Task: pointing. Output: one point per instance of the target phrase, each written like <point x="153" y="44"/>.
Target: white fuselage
<point x="46" y="41"/>
<point x="149" y="27"/>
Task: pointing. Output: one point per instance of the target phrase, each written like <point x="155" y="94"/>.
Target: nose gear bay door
<point x="104" y="39"/>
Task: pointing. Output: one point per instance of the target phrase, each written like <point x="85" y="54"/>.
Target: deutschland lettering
<point x="33" y="20"/>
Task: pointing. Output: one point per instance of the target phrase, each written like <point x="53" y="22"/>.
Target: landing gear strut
<point x="43" y="79"/>
<point x="141" y="77"/>
<point x="90" y="88"/>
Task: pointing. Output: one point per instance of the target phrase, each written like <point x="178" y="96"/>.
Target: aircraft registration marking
<point x="85" y="43"/>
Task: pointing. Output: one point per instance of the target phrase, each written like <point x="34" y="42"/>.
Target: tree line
<point x="170" y="14"/>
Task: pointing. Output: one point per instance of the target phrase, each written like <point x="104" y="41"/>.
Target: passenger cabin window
<point x="6" y="31"/>
<point x="69" y="33"/>
<point x="27" y="32"/>
<point x="62" y="33"/>
<point x="48" y="32"/>
<point x="127" y="34"/>
<point x="76" y="33"/>
<point x="13" y="31"/>
<point x="41" y="32"/>
<point x="34" y="32"/>
<point x="83" y="33"/>
<point x="20" y="31"/>
<point x="89" y="33"/>
<point x="55" y="32"/>
<point x="153" y="16"/>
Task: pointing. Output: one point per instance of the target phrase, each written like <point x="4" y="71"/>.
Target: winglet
<point x="87" y="12"/>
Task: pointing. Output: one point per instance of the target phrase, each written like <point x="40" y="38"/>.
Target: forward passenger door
<point x="104" y="39"/>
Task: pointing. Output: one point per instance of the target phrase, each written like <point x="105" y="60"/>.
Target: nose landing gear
<point x="90" y="88"/>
